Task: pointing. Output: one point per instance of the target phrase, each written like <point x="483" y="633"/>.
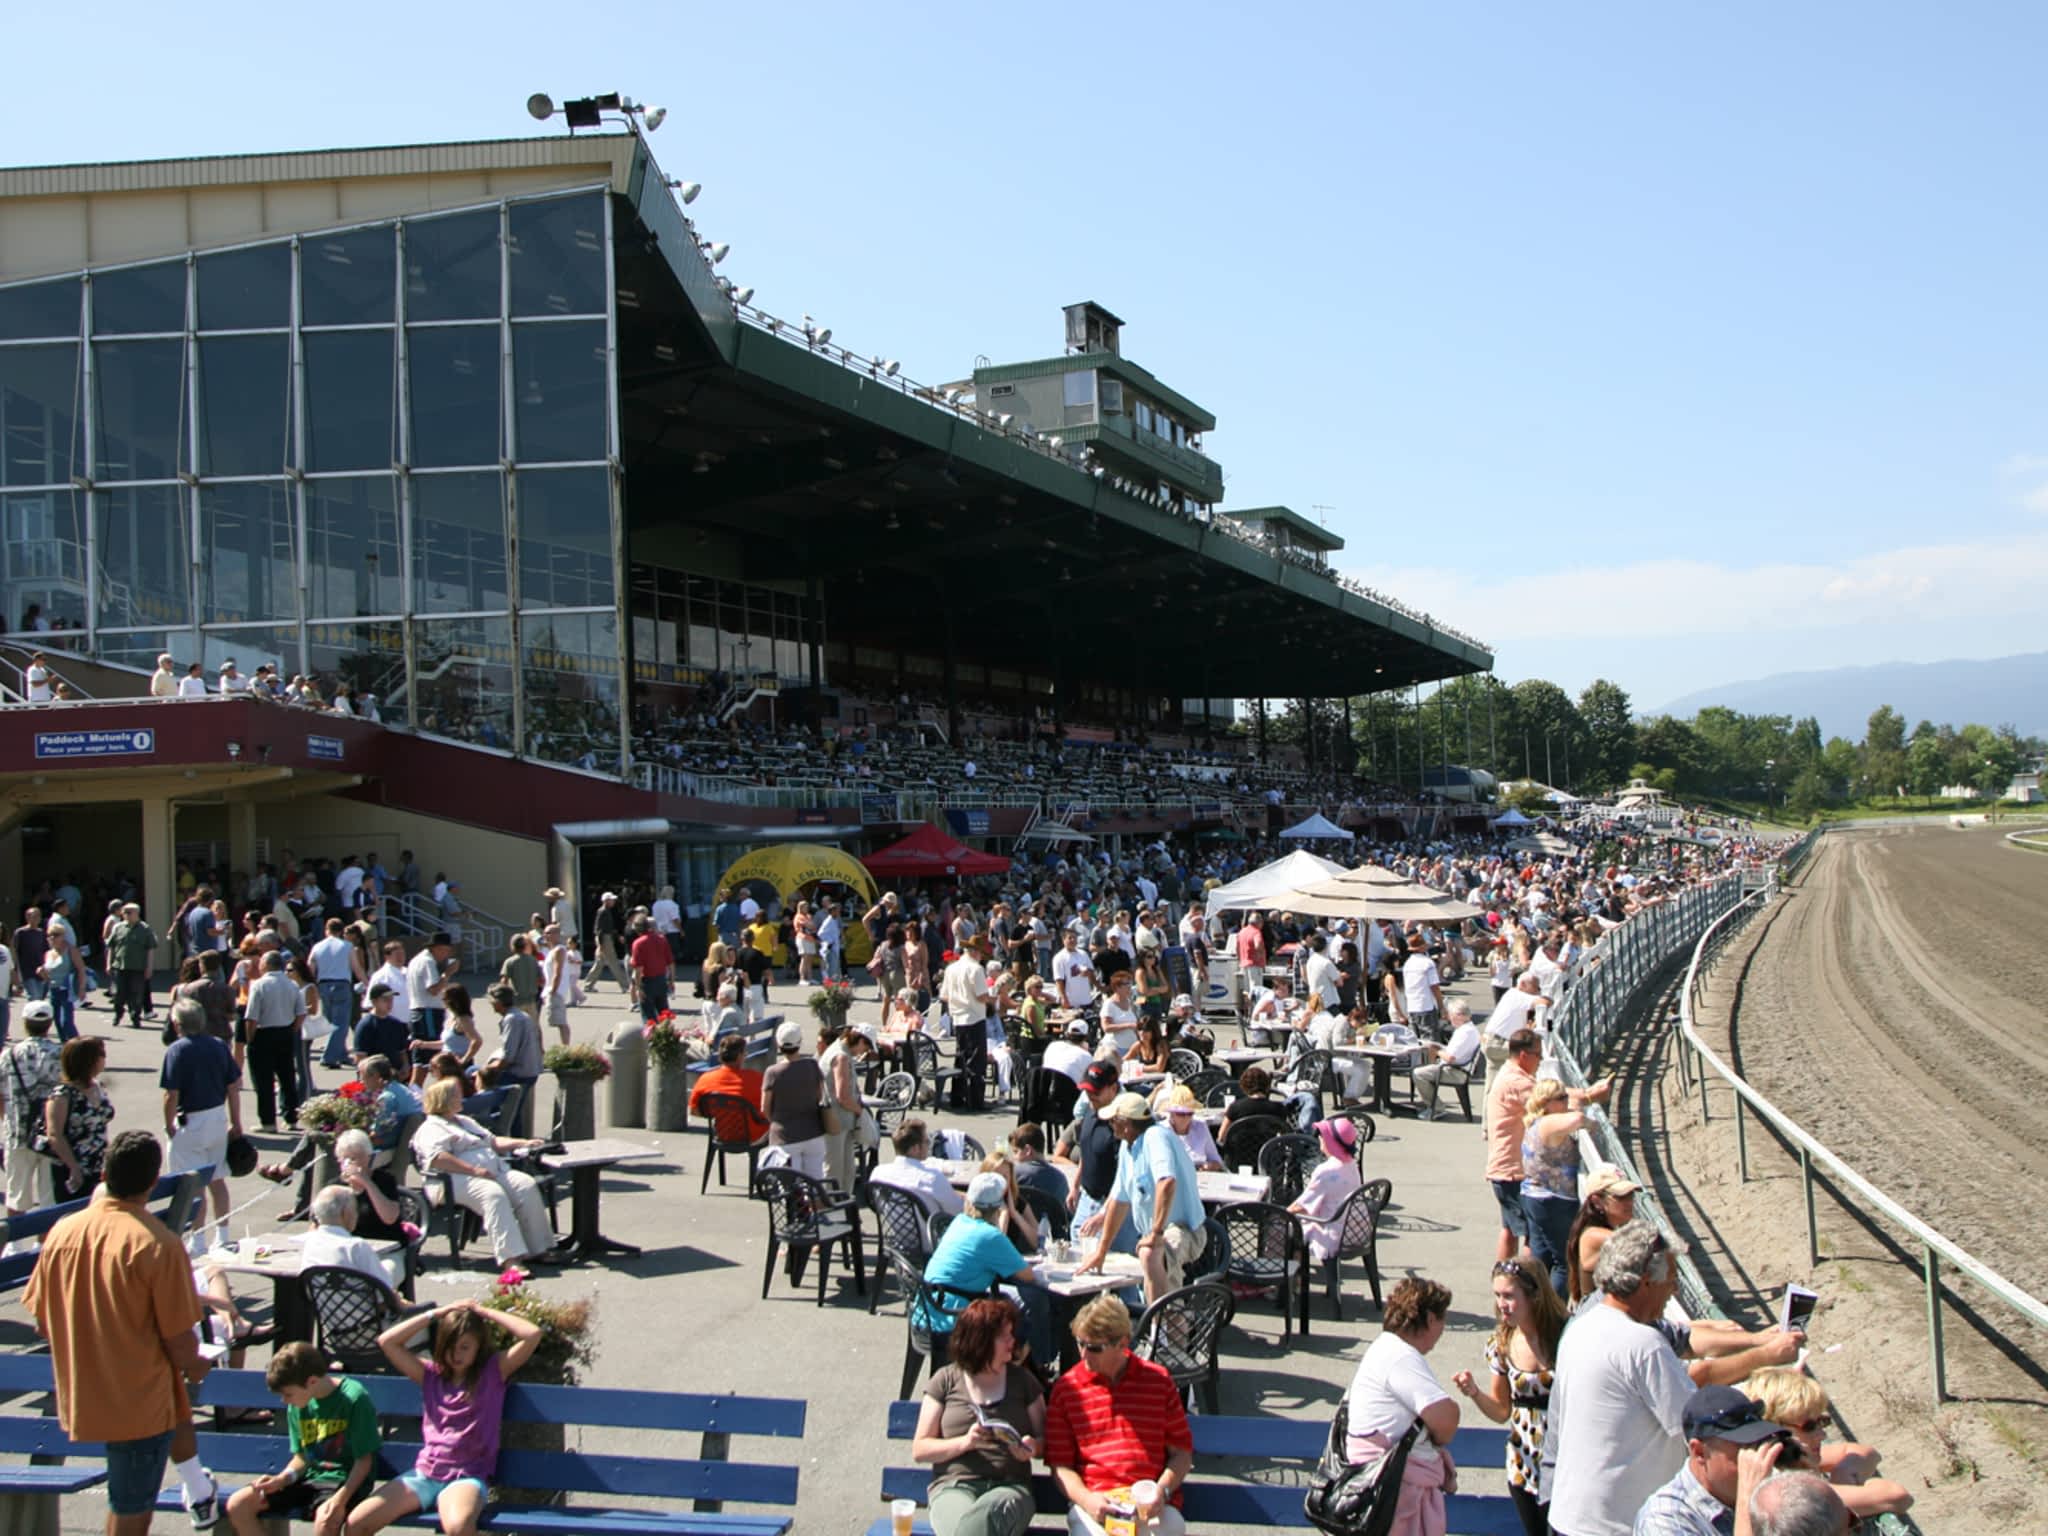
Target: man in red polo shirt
<point x="653" y="964"/>
<point x="1114" y="1423"/>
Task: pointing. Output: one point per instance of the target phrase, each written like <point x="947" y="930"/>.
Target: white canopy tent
<point x="1512" y="818"/>
<point x="1316" y="826"/>
<point x="1257" y="888"/>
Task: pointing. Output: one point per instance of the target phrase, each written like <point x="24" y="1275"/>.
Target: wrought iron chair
<point x="1358" y="1234"/>
<point x="724" y="1114"/>
<point x="935" y="1225"/>
<point x="1049" y="1099"/>
<point x="1050" y="1212"/>
<point x="1184" y="1064"/>
<point x="805" y="1216"/>
<point x="921" y="1054"/>
<point x="929" y="1299"/>
<point x="900" y="1233"/>
<point x="892" y="1100"/>
<point x="1218" y="1095"/>
<point x="1267" y="1250"/>
<point x="412" y="1209"/>
<point x="349" y="1310"/>
<point x="1288" y="1160"/>
<point x="1358" y="1117"/>
<point x="1247" y="1138"/>
<point x="1311" y="1073"/>
<point x="1200" y="1083"/>
<point x="1179" y="1332"/>
<point x="961" y="1144"/>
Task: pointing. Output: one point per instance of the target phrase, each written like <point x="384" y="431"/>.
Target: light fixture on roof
<point x="652" y="118"/>
<point x="686" y="191"/>
<point x="1097" y="472"/>
<point x="1054" y="439"/>
<point x="952" y="397"/>
<point x="889" y="368"/>
<point x="718" y="252"/>
<point x="1004" y="420"/>
<point x="540" y="106"/>
<point x="743" y="295"/>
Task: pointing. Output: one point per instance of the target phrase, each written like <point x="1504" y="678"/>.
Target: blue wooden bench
<point x="1211" y="1498"/>
<point x="176" y="1196"/>
<point x="708" y="1481"/>
<point x="760" y="1038"/>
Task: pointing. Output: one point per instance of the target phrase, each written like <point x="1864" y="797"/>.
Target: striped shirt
<point x="1128" y="1425"/>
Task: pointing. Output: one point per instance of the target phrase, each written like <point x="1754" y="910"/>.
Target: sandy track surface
<point x="1892" y="1004"/>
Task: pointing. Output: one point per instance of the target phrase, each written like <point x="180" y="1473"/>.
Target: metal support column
<point x="1934" y="1325"/>
<point x="1812" y="1221"/>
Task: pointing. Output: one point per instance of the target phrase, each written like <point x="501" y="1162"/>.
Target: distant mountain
<point x="2005" y="689"/>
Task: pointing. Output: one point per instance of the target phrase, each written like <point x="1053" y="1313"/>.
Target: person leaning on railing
<point x="1789" y="1397"/>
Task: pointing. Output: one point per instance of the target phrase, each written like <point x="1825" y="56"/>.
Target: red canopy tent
<point x="929" y="854"/>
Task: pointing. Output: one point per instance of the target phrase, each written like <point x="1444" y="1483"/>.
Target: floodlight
<point x="718" y="252"/>
<point x="540" y="106"/>
<point x="952" y="397"/>
<point x="1054" y="440"/>
<point x="1004" y="420"/>
<point x="889" y="368"/>
<point x="687" y="191"/>
<point x="653" y="117"/>
<point x="743" y="295"/>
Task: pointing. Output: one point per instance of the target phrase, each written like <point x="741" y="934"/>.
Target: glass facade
<point x="380" y="455"/>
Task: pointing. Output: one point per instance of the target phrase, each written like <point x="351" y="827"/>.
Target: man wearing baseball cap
<point x="1091" y="1143"/>
<point x="1070" y="1055"/>
<point x="1155" y="1187"/>
<point x="1720" y="1471"/>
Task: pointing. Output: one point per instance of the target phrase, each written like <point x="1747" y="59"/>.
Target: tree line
<point x="1594" y="743"/>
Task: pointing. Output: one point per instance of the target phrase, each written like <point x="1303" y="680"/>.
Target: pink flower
<point x="513" y="1277"/>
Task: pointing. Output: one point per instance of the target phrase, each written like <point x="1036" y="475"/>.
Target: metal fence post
<point x="1934" y="1323"/>
<point x="1741" y="1140"/>
<point x="1812" y="1222"/>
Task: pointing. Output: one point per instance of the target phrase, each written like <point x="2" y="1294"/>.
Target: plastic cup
<point x="901" y="1513"/>
<point x="1244" y="1170"/>
<point x="1144" y="1494"/>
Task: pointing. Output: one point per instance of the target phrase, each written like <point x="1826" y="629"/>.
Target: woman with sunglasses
<point x="1788" y="1396"/>
<point x="1610" y="1205"/>
<point x="1519" y="1360"/>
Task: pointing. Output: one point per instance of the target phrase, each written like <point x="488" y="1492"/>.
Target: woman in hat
<point x="1177" y="1102"/>
<point x="1334" y="1180"/>
<point x="1609" y="1206"/>
<point x="791" y="1092"/>
<point x="974" y="1254"/>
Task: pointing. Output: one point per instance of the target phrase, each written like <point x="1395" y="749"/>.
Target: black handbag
<point x="1347" y="1498"/>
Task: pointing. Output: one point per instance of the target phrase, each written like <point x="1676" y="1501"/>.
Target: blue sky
<point x="1677" y="344"/>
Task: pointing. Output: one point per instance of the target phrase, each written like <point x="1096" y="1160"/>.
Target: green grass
<point x="2010" y="1435"/>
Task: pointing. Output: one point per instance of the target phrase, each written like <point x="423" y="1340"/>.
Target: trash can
<point x="626" y="1094"/>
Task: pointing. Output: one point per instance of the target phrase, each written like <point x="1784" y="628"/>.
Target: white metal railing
<point x="478" y="935"/>
<point x="1934" y="1246"/>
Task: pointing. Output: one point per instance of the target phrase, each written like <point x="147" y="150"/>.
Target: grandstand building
<point x="478" y="430"/>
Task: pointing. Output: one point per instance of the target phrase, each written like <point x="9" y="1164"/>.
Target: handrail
<point x="1934" y="1246"/>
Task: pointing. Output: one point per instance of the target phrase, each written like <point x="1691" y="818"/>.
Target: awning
<point x="929" y="854"/>
<point x="1316" y="826"/>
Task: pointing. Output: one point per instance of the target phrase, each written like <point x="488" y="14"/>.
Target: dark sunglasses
<point x="1816" y="1424"/>
<point x="1725" y="1420"/>
<point x="1098" y="1349"/>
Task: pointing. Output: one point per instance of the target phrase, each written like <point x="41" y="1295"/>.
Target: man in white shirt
<point x="193" y="684"/>
<point x="163" y="682"/>
<point x="829" y="936"/>
<point x="1422" y="990"/>
<point x="913" y="1170"/>
<point x="1074" y="972"/>
<point x="37" y="677"/>
<point x="333" y="1241"/>
<point x="1515" y="1010"/>
<point x="232" y="681"/>
<point x="426" y="978"/>
<point x="1550" y="974"/>
<point x="1070" y="1056"/>
<point x="336" y="968"/>
<point x="1617" y="1404"/>
<point x="1319" y="976"/>
<point x="348" y="880"/>
<point x="392" y="972"/>
<point x="964" y="994"/>
<point x="1454" y="1061"/>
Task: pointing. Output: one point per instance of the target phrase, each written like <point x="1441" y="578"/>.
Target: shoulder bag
<point x="1347" y="1498"/>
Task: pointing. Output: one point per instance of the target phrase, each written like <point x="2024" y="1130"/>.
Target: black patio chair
<point x="804" y="1215"/>
<point x="1047" y="1210"/>
<point x="349" y="1311"/>
<point x="1215" y="1253"/>
<point x="1219" y="1094"/>
<point x="928" y="1299"/>
<point x="892" y="1100"/>
<point x="1267" y="1250"/>
<point x="1360" y="1118"/>
<point x="1288" y="1160"/>
<point x="899" y="1232"/>
<point x="935" y="1226"/>
<point x="1358" y="1235"/>
<point x="1049" y="1099"/>
<point x="920" y="1053"/>
<point x="1310" y="1074"/>
<point x="412" y="1208"/>
<point x="1200" y="1083"/>
<point x="965" y="1146"/>
<point x="1179" y="1332"/>
<point x="1247" y="1138"/>
<point x="1184" y="1064"/>
<point x="724" y="1115"/>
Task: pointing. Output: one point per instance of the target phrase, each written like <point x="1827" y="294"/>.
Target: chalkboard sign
<point x="1180" y="979"/>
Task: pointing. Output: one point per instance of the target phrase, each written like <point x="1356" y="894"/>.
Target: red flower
<point x="512" y="1278"/>
<point x="353" y="1091"/>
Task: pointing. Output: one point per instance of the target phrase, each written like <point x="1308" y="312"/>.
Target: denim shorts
<point x="1508" y="1192"/>
<point x="428" y="1490"/>
<point x="135" y="1471"/>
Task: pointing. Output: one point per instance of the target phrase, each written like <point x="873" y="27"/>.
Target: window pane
<point x="348" y="279"/>
<point x="141" y="647"/>
<point x="456" y="412"/>
<point x="244" y="395"/>
<point x="369" y="658"/>
<point x="559" y="372"/>
<point x="277" y="644"/>
<point x="248" y="566"/>
<point x="39" y="387"/>
<point x="556" y="256"/>
<point x="349" y="409"/>
<point x="139" y="299"/>
<point x="352" y="551"/>
<point x="565" y="538"/>
<point x="465" y="679"/>
<point x="144" y="553"/>
<point x="42" y="558"/>
<point x="458" y="543"/>
<point x="241" y="290"/>
<point x="39" y="309"/>
<point x="139" y="388"/>
<point x="571" y="664"/>
<point x="451" y="267"/>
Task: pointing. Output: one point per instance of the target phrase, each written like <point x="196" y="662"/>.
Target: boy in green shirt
<point x="334" y="1440"/>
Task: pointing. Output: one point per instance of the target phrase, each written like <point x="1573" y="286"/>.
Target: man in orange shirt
<point x="1507" y="1103"/>
<point x="1251" y="961"/>
<point x="730" y="1077"/>
<point x="112" y="1291"/>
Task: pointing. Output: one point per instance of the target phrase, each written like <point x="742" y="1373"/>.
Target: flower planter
<point x="669" y="1108"/>
<point x="578" y="1098"/>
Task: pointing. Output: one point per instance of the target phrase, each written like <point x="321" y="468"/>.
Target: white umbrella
<point x="1256" y="888"/>
<point x="1316" y="826"/>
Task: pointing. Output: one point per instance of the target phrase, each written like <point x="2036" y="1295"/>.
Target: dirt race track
<point x="1892" y="1003"/>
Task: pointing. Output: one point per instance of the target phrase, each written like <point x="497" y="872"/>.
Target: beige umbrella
<point x="1377" y="894"/>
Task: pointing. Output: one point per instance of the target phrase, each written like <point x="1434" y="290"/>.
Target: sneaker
<point x="204" y="1512"/>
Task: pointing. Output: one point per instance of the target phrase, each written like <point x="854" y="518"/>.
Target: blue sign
<point x="95" y="743"/>
<point x="328" y="747"/>
<point x="968" y="823"/>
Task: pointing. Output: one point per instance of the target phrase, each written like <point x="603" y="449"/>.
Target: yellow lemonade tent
<point x="788" y="869"/>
